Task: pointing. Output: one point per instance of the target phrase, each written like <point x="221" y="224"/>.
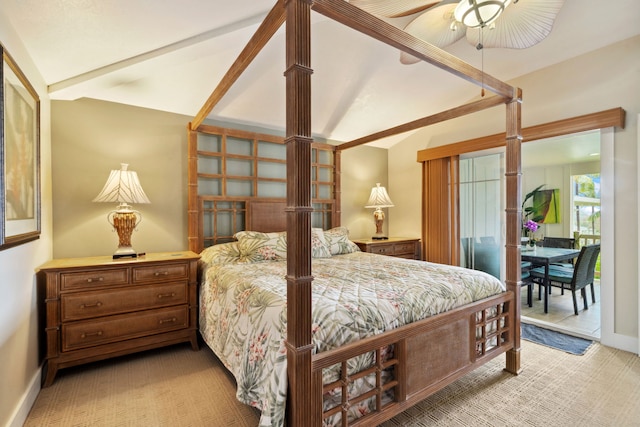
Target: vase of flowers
<point x="531" y="227"/>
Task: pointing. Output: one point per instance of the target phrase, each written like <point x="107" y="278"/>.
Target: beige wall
<point x="600" y="80"/>
<point x="91" y="137"/>
<point x="362" y="168"/>
<point x="19" y="364"/>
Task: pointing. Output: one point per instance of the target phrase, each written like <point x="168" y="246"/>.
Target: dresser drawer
<point x="89" y="333"/>
<point x="382" y="249"/>
<point x="404" y="249"/>
<point x="85" y="305"/>
<point x="161" y="272"/>
<point x="394" y="246"/>
<point x="84" y="279"/>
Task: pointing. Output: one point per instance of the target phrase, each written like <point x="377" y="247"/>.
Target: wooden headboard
<point x="266" y="216"/>
<point x="238" y="181"/>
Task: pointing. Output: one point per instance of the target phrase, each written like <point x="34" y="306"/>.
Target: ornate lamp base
<point x="124" y="221"/>
<point x="378" y="215"/>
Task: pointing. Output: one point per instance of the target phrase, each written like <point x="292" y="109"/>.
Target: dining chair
<point x="573" y="278"/>
<point x="560" y="242"/>
<point x="564" y="243"/>
<point x="527" y="280"/>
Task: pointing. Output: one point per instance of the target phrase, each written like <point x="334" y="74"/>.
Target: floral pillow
<point x="319" y="245"/>
<point x="257" y="246"/>
<point x="338" y="241"/>
<point x="224" y="253"/>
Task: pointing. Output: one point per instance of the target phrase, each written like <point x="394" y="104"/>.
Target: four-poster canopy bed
<point x="407" y="363"/>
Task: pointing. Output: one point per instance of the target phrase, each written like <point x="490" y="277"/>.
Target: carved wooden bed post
<point x="298" y="72"/>
<point x="513" y="174"/>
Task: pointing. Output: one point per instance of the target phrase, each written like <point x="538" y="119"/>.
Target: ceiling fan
<point x="512" y="24"/>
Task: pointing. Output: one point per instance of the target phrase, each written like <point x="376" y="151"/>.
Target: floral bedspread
<point x="243" y="312"/>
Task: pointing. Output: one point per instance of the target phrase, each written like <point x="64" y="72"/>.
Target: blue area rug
<point x="553" y="339"/>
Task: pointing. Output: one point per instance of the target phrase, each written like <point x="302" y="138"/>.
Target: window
<point x="586" y="208"/>
<point x="586" y="204"/>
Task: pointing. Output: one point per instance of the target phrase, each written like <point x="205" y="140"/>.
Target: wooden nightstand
<point x="97" y="307"/>
<point x="401" y="247"/>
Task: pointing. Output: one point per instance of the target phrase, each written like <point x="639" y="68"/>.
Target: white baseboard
<point x="21" y="412"/>
<point x="622" y="342"/>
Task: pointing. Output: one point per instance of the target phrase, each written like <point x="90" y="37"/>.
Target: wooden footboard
<point x="422" y="358"/>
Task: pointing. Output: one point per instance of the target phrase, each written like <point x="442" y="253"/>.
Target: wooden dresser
<point x="97" y="307"/>
<point x="401" y="247"/>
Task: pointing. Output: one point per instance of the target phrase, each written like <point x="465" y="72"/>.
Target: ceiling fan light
<point x="479" y="13"/>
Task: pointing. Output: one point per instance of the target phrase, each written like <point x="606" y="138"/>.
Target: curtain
<point x="440" y="210"/>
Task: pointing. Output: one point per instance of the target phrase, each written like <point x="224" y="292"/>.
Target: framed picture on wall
<point x="546" y="204"/>
<point x="19" y="156"/>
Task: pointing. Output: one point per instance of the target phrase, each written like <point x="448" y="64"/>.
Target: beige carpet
<point x="178" y="387"/>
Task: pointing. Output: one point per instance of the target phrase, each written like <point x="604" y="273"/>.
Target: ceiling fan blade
<point x="393" y="8"/>
<point x="434" y="26"/>
<point x="521" y="25"/>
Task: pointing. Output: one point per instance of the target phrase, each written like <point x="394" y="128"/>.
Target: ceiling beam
<point x="267" y="29"/>
<point x="152" y="54"/>
<point x="462" y="110"/>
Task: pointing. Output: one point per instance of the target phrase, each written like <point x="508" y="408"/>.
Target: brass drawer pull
<point x="161" y="273"/>
<point x="172" y="320"/>
<point x="95" y="279"/>
<point x="97" y="304"/>
<point x="91" y="334"/>
<point x="172" y="294"/>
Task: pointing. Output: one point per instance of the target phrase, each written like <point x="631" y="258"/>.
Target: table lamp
<point x="379" y="199"/>
<point x="123" y="187"/>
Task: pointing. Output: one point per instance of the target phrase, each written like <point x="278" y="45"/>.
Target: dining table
<point x="540" y="256"/>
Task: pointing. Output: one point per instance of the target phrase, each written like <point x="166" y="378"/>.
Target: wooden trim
<point x="303" y="410"/>
<point x="193" y="209"/>
<point x="513" y="174"/>
<point x="614" y="117"/>
<point x="460" y="111"/>
<point x="267" y="29"/>
<point x="239" y="133"/>
<point x="437" y="232"/>
<point x="454" y="210"/>
<point x="336" y="214"/>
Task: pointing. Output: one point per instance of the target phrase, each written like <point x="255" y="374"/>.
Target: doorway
<point x="553" y="162"/>
<point x="572" y="156"/>
<point x="606" y="122"/>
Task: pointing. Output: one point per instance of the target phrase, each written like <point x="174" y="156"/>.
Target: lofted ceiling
<point x="170" y="55"/>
